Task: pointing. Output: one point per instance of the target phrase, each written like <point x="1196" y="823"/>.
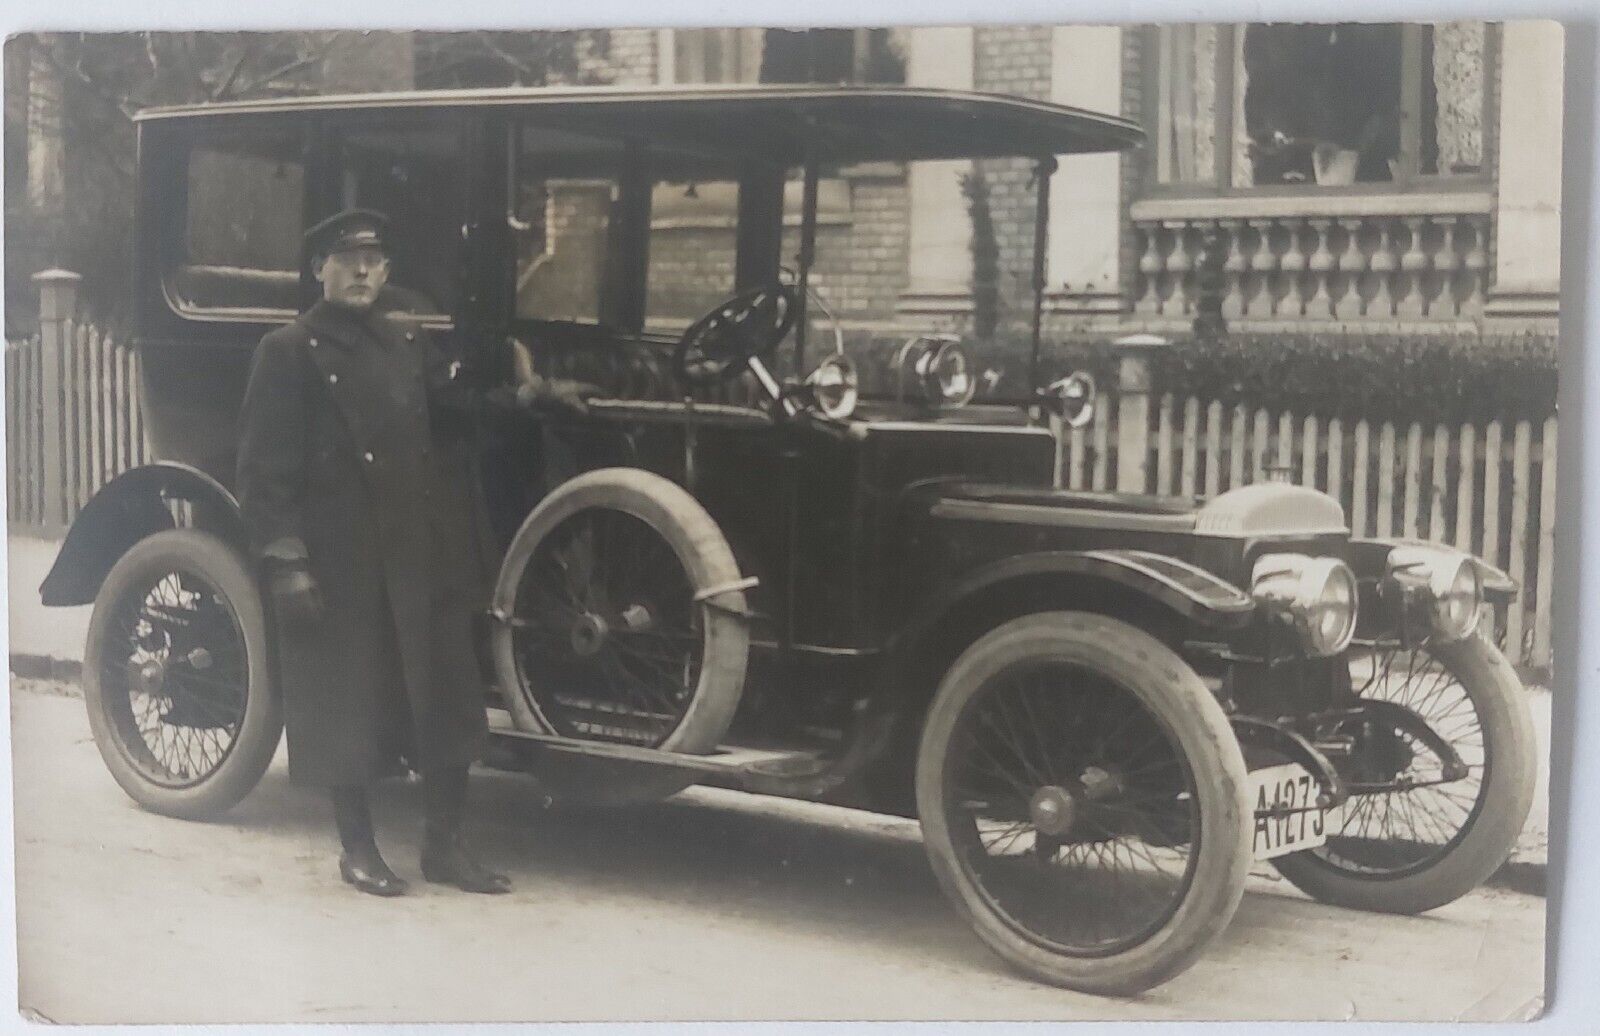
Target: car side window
<point x="564" y="191"/>
<point x="239" y="250"/>
<point x="413" y="175"/>
<point x="693" y="234"/>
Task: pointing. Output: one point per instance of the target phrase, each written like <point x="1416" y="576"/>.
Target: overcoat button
<point x="411" y="336"/>
<point x="313" y="343"/>
<point x="333" y="379"/>
<point x="367" y="457"/>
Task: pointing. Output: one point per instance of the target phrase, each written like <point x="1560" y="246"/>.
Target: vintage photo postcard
<point x="910" y="522"/>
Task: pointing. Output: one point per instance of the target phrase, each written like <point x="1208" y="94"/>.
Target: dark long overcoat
<point x="346" y="451"/>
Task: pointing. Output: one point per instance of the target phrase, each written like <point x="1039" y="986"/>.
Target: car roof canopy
<point x="770" y="124"/>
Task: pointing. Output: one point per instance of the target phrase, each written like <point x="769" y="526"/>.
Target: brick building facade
<point x="1459" y="232"/>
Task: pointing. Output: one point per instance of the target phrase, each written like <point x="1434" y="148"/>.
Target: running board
<point x="726" y="760"/>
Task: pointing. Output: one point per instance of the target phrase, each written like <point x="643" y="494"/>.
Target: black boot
<point x="444" y="855"/>
<point x="360" y="865"/>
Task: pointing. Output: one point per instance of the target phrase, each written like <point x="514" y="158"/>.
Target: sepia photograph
<point x="899" y="523"/>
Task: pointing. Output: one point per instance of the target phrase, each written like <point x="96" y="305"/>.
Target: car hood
<point x="1264" y="509"/>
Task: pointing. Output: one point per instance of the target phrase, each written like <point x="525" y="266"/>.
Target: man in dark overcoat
<point x="358" y="504"/>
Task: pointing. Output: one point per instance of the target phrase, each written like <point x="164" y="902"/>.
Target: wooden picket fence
<point x="1488" y="487"/>
<point x="95" y="421"/>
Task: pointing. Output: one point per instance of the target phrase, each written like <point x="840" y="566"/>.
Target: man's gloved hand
<point x="565" y="393"/>
<point x="572" y="395"/>
<point x="534" y="390"/>
<point x="295" y="593"/>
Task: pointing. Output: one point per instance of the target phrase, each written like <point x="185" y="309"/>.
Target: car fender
<point x="1183" y="588"/>
<point x="130" y="507"/>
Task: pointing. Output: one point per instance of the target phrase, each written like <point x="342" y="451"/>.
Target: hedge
<point x="1426" y="376"/>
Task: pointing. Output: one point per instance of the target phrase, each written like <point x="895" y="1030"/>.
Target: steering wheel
<point x="721" y="344"/>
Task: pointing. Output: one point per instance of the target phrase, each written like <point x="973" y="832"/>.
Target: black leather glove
<point x="295" y="594"/>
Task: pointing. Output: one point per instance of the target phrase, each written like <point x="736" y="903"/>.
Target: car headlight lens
<point x="935" y="367"/>
<point x="835" y="387"/>
<point x="1317" y="596"/>
<point x="947" y="377"/>
<point x="1448" y="581"/>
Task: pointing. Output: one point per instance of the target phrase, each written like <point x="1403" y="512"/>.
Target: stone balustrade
<point x="1400" y="257"/>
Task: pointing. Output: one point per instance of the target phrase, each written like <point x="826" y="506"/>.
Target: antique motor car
<point x="746" y="566"/>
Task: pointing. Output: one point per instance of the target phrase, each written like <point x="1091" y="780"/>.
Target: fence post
<point x="1133" y="410"/>
<point x="58" y="301"/>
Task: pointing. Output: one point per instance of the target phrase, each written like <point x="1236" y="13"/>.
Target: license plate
<point x="1287" y="817"/>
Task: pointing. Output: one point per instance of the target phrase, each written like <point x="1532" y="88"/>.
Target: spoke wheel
<point x="601" y="637"/>
<point x="1083" y="802"/>
<point x="176" y="676"/>
<point x="608" y="639"/>
<point x="1431" y="839"/>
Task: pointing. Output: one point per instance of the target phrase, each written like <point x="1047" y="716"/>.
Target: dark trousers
<point x="444" y="793"/>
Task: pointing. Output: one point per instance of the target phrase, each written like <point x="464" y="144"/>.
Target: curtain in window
<point x="1458" y="86"/>
<point x="1244" y="173"/>
<point x="1187" y="104"/>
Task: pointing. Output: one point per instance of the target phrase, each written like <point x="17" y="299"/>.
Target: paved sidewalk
<point x="37" y="631"/>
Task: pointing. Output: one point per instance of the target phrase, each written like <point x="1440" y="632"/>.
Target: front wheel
<point x="1084" y="802"/>
<point x="176" y="676"/>
<point x="1430" y="839"/>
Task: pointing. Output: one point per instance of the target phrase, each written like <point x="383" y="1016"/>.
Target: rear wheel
<point x="176" y="676"/>
<point x="1431" y="839"/>
<point x="604" y="635"/>
<point x="1083" y="801"/>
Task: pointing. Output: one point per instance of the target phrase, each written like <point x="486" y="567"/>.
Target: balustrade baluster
<point x="1150" y="269"/>
<point x="1414" y="264"/>
<point x="1352" y="264"/>
<point x="1293" y="265"/>
<point x="1447" y="261"/>
<point x="1321" y="266"/>
<point x="1383" y="264"/>
<point x="1259" y="299"/>
<point x="1234" y="269"/>
<point x="1179" y="263"/>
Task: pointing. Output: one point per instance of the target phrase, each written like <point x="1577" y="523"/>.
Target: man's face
<point x="352" y="276"/>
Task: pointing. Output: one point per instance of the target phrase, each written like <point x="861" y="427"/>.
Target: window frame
<point x="172" y="249"/>
<point x="1221" y="184"/>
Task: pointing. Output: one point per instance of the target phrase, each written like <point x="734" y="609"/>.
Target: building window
<point x="1341" y="105"/>
<point x="787" y="56"/>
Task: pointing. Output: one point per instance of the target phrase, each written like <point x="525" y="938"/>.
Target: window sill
<point x="731" y="222"/>
<point x="1388" y="203"/>
<point x="873" y="171"/>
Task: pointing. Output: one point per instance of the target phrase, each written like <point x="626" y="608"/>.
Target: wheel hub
<point x="1382" y="754"/>
<point x="638" y="617"/>
<point x="589" y="634"/>
<point x="149" y="677"/>
<point x="1053" y="810"/>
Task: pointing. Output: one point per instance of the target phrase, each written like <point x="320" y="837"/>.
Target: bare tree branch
<point x="76" y="72"/>
<point x="494" y="48"/>
<point x="285" y="69"/>
<point x="223" y="87"/>
<point x="150" y="55"/>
